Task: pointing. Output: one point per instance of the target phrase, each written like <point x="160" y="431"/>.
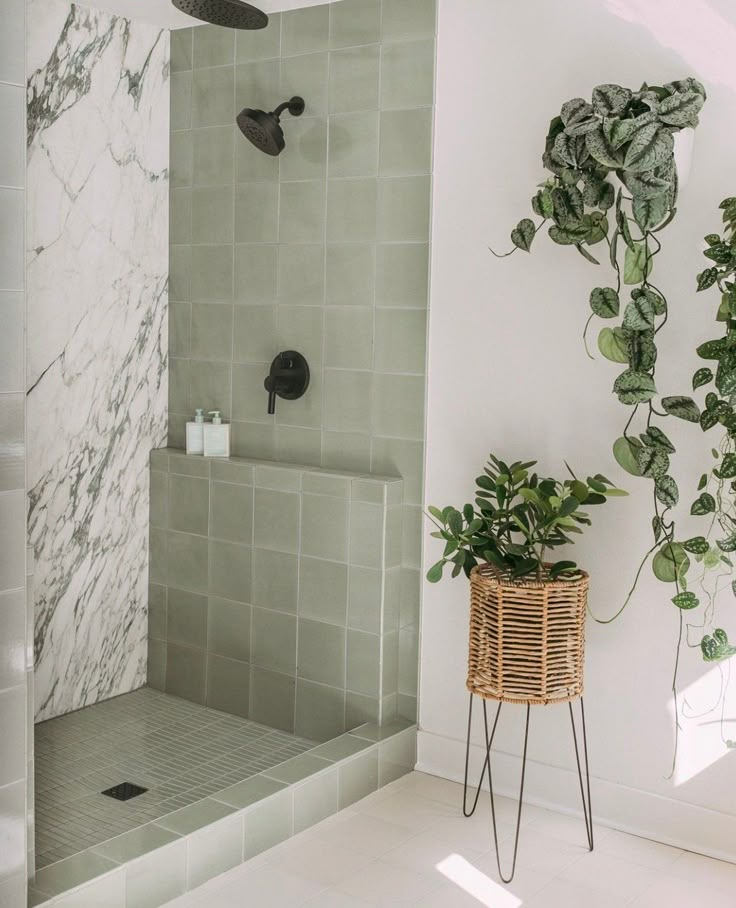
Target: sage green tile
<point x="159" y="460"/>
<point x="400" y="340"/>
<point x="180" y="263"/>
<point x="324" y="532"/>
<point x="279" y="478"/>
<point x="305" y="155"/>
<point x="156" y="664"/>
<point x="213" y="46"/>
<point x="305" y="31"/>
<point x="210" y="387"/>
<point x="354" y="22"/>
<point x="186" y="672"/>
<point x="256" y="274"/>
<point x="349" y="337"/>
<point x="272" y="698"/>
<point x="181" y="100"/>
<point x="394" y="547"/>
<point x="254" y="338"/>
<point x="404" y="209"/>
<point x="188" y="504"/>
<point x="363" y="663"/>
<point x="252" y="165"/>
<point x="320" y="710"/>
<point x="302" y="275"/>
<point x="273" y="641"/>
<point x="268" y="824"/>
<point x="181" y="49"/>
<point x="347" y="402"/>
<point x="157" y="595"/>
<point x="398" y="405"/>
<point x="411" y="584"/>
<point x="404" y="19"/>
<point x="248" y="792"/>
<point x="258" y="44"/>
<point x="277" y="520"/>
<point x="136" y="843"/>
<point x="12" y="449"/>
<point x="212" y="96"/>
<point x="212" y="274"/>
<point x="158" y="877"/>
<point x="213" y="156"/>
<point x="231" y="568"/>
<point x="158" y="556"/>
<point x="250" y="400"/>
<point x="188" y="464"/>
<point x="402" y="277"/>
<point x="180" y="170"/>
<point x="306" y="76"/>
<point x="256" y="86"/>
<point x="214" y="850"/>
<point x="408" y="660"/>
<point x="276" y="580"/>
<point x="196" y="816"/>
<point x="366" y="534"/>
<point x="358" y="778"/>
<point x="315" y="800"/>
<point x="321" y="652"/>
<point x="180" y="215"/>
<point x="406" y="141"/>
<point x="228" y="685"/>
<point x="12" y="343"/>
<point x="407" y="74"/>
<point x="346" y="451"/>
<point x="350" y="274"/>
<point x="301" y="328"/>
<point x="302" y="212"/>
<point x="413" y="534"/>
<point x="351" y="211"/>
<point x="180" y="328"/>
<point x="231" y="512"/>
<point x="212" y="214"/>
<point x="365" y="599"/>
<point x="231" y="471"/>
<point x="187" y="560"/>
<point x="228" y="629"/>
<point x="390" y="663"/>
<point x="297" y="769"/>
<point x="295" y="444"/>
<point x="212" y="331"/>
<point x="71" y="872"/>
<point x="256" y="212"/>
<point x="307" y="411"/>
<point x="341" y="748"/>
<point x="398" y="456"/>
<point x="396" y="757"/>
<point x="354" y="79"/>
<point x="319" y="483"/>
<point x="360" y="709"/>
<point x="186" y="620"/>
<point x="369" y="490"/>
<point x="354" y="144"/>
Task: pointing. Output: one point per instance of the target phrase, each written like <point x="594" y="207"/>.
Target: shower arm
<point x="294" y="105"/>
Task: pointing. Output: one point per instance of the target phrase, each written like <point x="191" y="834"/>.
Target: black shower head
<point x="229" y="13"/>
<point x="264" y="129"/>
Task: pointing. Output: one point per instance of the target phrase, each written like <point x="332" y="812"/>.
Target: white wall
<point x="508" y="373"/>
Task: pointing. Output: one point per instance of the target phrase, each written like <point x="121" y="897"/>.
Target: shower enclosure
<point x="226" y="649"/>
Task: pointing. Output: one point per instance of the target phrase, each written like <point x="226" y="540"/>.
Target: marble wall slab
<point x="97" y="283"/>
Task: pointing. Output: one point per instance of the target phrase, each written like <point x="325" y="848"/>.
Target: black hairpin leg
<point x="487" y="767"/>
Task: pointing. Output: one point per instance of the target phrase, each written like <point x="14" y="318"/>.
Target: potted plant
<point x="527" y="609"/>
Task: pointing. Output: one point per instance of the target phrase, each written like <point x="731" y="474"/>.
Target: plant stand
<point x="527" y="642"/>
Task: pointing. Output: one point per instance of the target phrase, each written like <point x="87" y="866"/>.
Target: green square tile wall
<point x="324" y="249"/>
<point x="276" y="592"/>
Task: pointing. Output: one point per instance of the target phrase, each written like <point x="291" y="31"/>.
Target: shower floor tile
<point x="179" y="751"/>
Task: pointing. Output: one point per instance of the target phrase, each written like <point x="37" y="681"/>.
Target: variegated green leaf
<point x="681" y="109"/>
<point x="610" y="100"/>
<point x="650" y="147"/>
<point x="634" y="387"/>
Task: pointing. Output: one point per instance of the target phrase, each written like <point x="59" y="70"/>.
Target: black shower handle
<point x="288" y="378"/>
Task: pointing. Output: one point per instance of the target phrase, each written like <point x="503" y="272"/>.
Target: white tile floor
<point x="408" y="845"/>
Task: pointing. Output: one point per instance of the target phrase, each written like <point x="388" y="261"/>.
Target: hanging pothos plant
<point x="613" y="184"/>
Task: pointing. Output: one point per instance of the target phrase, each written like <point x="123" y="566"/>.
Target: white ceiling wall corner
<point x="164" y="14"/>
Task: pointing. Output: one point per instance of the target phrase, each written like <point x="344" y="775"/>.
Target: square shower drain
<point x="124" y="791"/>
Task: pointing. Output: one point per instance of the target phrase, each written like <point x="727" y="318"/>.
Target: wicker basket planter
<point x="527" y="637"/>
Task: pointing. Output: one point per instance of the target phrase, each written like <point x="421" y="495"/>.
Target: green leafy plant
<point x="517" y="521"/>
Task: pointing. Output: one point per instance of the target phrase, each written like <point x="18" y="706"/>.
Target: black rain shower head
<point x="228" y="13"/>
<point x="264" y="129"/>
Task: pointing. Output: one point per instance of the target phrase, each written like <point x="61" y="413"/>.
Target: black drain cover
<point x="124" y="791"/>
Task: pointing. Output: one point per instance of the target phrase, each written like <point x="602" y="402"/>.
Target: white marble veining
<point x="98" y="127"/>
